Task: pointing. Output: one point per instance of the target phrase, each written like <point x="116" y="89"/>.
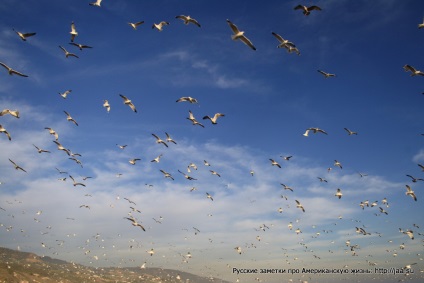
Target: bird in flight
<point x="73" y="32"/>
<point x="166" y="174"/>
<point x="339" y="193"/>
<point x="188" y="99"/>
<point x="3" y="130"/>
<point x="187" y="176"/>
<point x="274" y="163"/>
<point x="135" y="25"/>
<point x="209" y="196"/>
<point x="159" y="140"/>
<point x="135" y="223"/>
<point x="336" y="163"/>
<point x="11" y="71"/>
<point x="307" y="10"/>
<point x="52" y="132"/>
<point x="40" y="150"/>
<point x="214" y="118"/>
<point x="14" y="113"/>
<point x="410" y="192"/>
<point x="299" y="205"/>
<point x="97" y="3"/>
<point x="322" y="179"/>
<point x="80" y="46"/>
<point x="69" y="118"/>
<point x="240" y="35"/>
<point x="133" y="161"/>
<point x="284" y="43"/>
<point x="350" y="132"/>
<point x="326" y="75"/>
<point x="193" y="119"/>
<point x="188" y="19"/>
<point x="169" y="139"/>
<point x="157" y="159"/>
<point x="128" y="102"/>
<point x="24" y="36"/>
<point x="314" y="130"/>
<point x="106" y="105"/>
<point x="17" y="167"/>
<point x="286" y="187"/>
<point x="61" y="147"/>
<point x="67" y="53"/>
<point x="215" y="173"/>
<point x="65" y="94"/>
<point x="414" y="72"/>
<point x="76" y="183"/>
<point x="421" y="25"/>
<point x="414" y="180"/>
<point x="160" y="25"/>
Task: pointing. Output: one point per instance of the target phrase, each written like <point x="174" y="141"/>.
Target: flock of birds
<point x="238" y="35"/>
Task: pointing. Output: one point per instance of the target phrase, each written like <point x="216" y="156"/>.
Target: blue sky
<point x="269" y="98"/>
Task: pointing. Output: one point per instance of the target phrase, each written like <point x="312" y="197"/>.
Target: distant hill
<point x="22" y="267"/>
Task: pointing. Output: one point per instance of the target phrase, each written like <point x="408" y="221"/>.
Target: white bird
<point x="274" y="163"/>
<point x="414" y="72"/>
<point x="14" y="113"/>
<point x="307" y="10"/>
<point x="135" y="25"/>
<point x="187" y="176"/>
<point x="67" y="54"/>
<point x="414" y="180"/>
<point x="166" y="174"/>
<point x="421" y="25"/>
<point x="326" y="75"/>
<point x="169" y="139"/>
<point x="40" y="150"/>
<point x="214" y="118"/>
<point x="410" y="192"/>
<point x="133" y="161"/>
<point x="215" y="173"/>
<point x="97" y="3"/>
<point x="80" y="46"/>
<point x="188" y="19"/>
<point x="299" y="205"/>
<point x="284" y="43"/>
<point x="24" y="36"/>
<point x="122" y="146"/>
<point x="159" y="140"/>
<point x="206" y="163"/>
<point x="65" y="94"/>
<point x="240" y="35"/>
<point x="106" y="105"/>
<point x="286" y="187"/>
<point x="314" y="130"/>
<point x="157" y="159"/>
<point x="70" y="119"/>
<point x="61" y="147"/>
<point x="209" y="196"/>
<point x="350" y="132"/>
<point x="238" y="249"/>
<point x="3" y="130"/>
<point x="73" y="32"/>
<point x="17" y="167"/>
<point x="160" y="25"/>
<point x="52" y="132"/>
<point x="322" y="179"/>
<point x="128" y="102"/>
<point x="339" y="193"/>
<point x="193" y="119"/>
<point x="11" y="71"/>
<point x="135" y="223"/>
<point x="336" y="163"/>
<point x="188" y="99"/>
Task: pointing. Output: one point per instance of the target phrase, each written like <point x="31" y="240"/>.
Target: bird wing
<point x="409" y="68"/>
<point x="246" y="41"/>
<point x="123" y="97"/>
<point x="4" y="65"/>
<point x="280" y="39"/>
<point x="194" y="22"/>
<point x="18" y="73"/>
<point x="314" y="8"/>
<point x="299" y="7"/>
<point x="233" y="27"/>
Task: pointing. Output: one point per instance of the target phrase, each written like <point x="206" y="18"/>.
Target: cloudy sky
<point x="269" y="98"/>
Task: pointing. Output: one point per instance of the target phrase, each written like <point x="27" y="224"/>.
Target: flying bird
<point x="80" y="46"/>
<point x="414" y="180"/>
<point x="14" y="113"/>
<point x="67" y="54"/>
<point x="299" y="205"/>
<point x="209" y="196"/>
<point x="188" y="99"/>
<point x="414" y="72"/>
<point x="214" y="118"/>
<point x="40" y="150"/>
<point x="3" y="130"/>
<point x="410" y="192"/>
<point x="11" y="71"/>
<point x="106" y="105"/>
<point x="284" y="43"/>
<point x="159" y="140"/>
<point x="17" y="167"/>
<point x="215" y="173"/>
<point x="24" y="36"/>
<point x="97" y="3"/>
<point x="314" y="130"/>
<point x="128" y="102"/>
<point x="61" y="147"/>
<point x="135" y="223"/>
<point x="240" y="35"/>
<point x="135" y="25"/>
<point x="326" y="75"/>
<point x="322" y="179"/>
<point x="157" y="159"/>
<point x="70" y="119"/>
<point x="160" y="25"/>
<point x="338" y="164"/>
<point x="307" y="10"/>
<point x="133" y="161"/>
<point x="421" y="25"/>
<point x="73" y="32"/>
<point x="188" y="19"/>
<point x="52" y="132"/>
<point x="287" y="158"/>
<point x="339" y="193"/>
<point x="169" y="139"/>
<point x="65" y="94"/>
<point x="122" y="146"/>
<point x="286" y="187"/>
<point x="187" y="176"/>
<point x="166" y="174"/>
<point x="350" y="132"/>
<point x="274" y="163"/>
<point x="419" y="165"/>
<point x="193" y="119"/>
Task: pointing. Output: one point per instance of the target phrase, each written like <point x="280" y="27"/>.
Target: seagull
<point x="193" y="120"/>
<point x="17" y="167"/>
<point x="419" y="165"/>
<point x="410" y="192"/>
<point x="60" y="147"/>
<point x="326" y="75"/>
<point x="240" y="35"/>
<point x="40" y="150"/>
<point x="75" y="183"/>
<point x="362" y="174"/>
<point x="274" y="163"/>
<point x="187" y="176"/>
<point x="284" y="43"/>
<point x="252" y="172"/>
<point x="383" y="211"/>
<point x="286" y="187"/>
<point x="350" y="132"/>
<point x="122" y="146"/>
<point x="166" y="174"/>
<point x="159" y="140"/>
<point x="69" y="118"/>
<point x="215" y="173"/>
<point x="3" y="130"/>
<point x="291" y="49"/>
<point x="414" y="72"/>
<point x="128" y="102"/>
<point x="52" y="132"/>
<point x="361" y="231"/>
<point x="290" y="226"/>
<point x="151" y="252"/>
<point x="322" y="179"/>
<point x="410" y="234"/>
<point x="414" y="180"/>
<point x="97" y="3"/>
<point x="336" y="163"/>
<point x="286" y="157"/>
<point x="192" y="165"/>
<point x="339" y="193"/>
<point x="106" y="105"/>
<point x="169" y="139"/>
<point x="133" y="161"/>
<point x="188" y="19"/>
<point x="157" y="159"/>
<point x="24" y="36"/>
<point x="206" y="163"/>
<point x="160" y="25"/>
<point x="11" y="71"/>
<point x="135" y="25"/>
<point x="14" y="113"/>
<point x="76" y="161"/>
<point x="87" y="177"/>
<point x="314" y="130"/>
<point x="80" y="46"/>
<point x="188" y="99"/>
<point x="299" y="205"/>
<point x="421" y="25"/>
<point x="135" y="223"/>
<point x="68" y="53"/>
<point x="130" y="201"/>
<point x="209" y="196"/>
<point x="61" y="172"/>
<point x="73" y="32"/>
<point x="65" y="94"/>
<point x="215" y="117"/>
<point x="307" y="10"/>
